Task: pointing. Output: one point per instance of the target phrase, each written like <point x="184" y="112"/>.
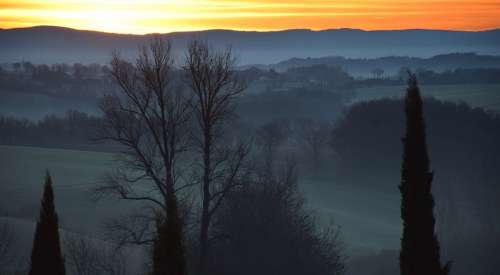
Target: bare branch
<point x="132" y="229"/>
<point x="89" y="256"/>
<point x="215" y="86"/>
<point x="149" y="118"/>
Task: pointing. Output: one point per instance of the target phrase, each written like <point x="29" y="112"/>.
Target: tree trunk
<point x="205" y="219"/>
<point x="169" y="256"/>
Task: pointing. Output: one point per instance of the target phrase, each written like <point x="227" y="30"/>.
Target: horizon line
<point x="251" y="31"/>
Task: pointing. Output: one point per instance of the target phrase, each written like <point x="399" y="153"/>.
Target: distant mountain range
<point x="46" y="44"/>
<point x="390" y="64"/>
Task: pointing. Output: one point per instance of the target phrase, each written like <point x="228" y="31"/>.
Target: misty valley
<point x="176" y="158"/>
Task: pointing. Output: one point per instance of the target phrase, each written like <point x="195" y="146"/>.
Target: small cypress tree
<point x="46" y="256"/>
<point x="419" y="245"/>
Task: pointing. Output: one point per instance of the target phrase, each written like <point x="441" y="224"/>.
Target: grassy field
<point x="22" y="172"/>
<point x="74" y="173"/>
<point x="369" y="220"/>
<point x="476" y="95"/>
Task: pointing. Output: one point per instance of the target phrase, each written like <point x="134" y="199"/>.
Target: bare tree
<point x="87" y="257"/>
<point x="149" y="119"/>
<point x="314" y="136"/>
<point x="270" y="136"/>
<point x="81" y="256"/>
<point x="215" y="86"/>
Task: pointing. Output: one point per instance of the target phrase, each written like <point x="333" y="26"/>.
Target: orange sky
<point x="146" y="16"/>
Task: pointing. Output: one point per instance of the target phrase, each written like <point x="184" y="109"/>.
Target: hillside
<point x="392" y="64"/>
<point x="55" y="44"/>
<point x="75" y="172"/>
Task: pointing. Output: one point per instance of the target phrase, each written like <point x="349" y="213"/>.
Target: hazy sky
<point x="146" y="16"/>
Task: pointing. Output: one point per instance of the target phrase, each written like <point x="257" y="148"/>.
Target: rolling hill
<point x="47" y="44"/>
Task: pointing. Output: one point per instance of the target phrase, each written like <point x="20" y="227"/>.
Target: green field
<point x="74" y="173"/>
<point x="476" y="95"/>
<point x="22" y="172"/>
<point x="369" y="220"/>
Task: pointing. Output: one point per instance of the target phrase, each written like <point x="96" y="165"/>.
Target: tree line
<point x="59" y="80"/>
<point x="93" y="80"/>
<point x="74" y="130"/>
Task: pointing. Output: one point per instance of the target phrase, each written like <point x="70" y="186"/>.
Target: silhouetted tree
<point x="419" y="245"/>
<point x="215" y="86"/>
<point x="149" y="119"/>
<point x="463" y="144"/>
<point x="87" y="256"/>
<point x="313" y="137"/>
<point x="264" y="227"/>
<point x="46" y="256"/>
<point x="270" y="136"/>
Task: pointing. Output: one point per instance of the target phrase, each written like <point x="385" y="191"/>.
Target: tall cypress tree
<point x="419" y="244"/>
<point x="46" y="256"/>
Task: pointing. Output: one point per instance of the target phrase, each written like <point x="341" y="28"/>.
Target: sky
<point x="148" y="16"/>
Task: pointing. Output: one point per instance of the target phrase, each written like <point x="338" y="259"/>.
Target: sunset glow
<point x="147" y="16"/>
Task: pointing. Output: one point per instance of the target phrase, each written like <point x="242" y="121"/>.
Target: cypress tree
<point x="419" y="245"/>
<point x="46" y="256"/>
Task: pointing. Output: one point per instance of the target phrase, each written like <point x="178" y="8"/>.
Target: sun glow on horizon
<point x="139" y="17"/>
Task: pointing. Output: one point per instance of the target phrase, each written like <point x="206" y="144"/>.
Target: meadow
<point x="369" y="220"/>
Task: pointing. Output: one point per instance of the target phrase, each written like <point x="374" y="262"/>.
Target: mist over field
<point x="305" y="153"/>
